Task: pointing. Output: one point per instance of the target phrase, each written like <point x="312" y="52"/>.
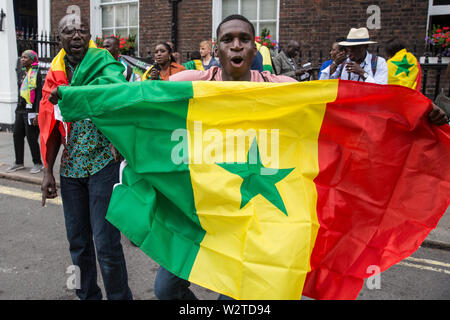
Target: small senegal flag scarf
<point x="195" y="64"/>
<point x="272" y="191"/>
<point x="267" y="60"/>
<point x="404" y="69"/>
<point x="28" y="86"/>
<point x="98" y="66"/>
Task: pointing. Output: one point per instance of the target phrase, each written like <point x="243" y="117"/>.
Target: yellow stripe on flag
<point x="263" y="253"/>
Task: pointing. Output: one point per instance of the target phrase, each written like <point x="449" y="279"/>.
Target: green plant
<point x="439" y="40"/>
<point x="126" y="44"/>
<point x="266" y="39"/>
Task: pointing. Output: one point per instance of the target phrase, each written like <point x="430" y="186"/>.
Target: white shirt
<point x="380" y="77"/>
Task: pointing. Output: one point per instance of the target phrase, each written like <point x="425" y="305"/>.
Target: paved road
<point x="34" y="258"/>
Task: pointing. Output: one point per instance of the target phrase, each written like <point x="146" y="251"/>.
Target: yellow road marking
<point x="423" y="267"/>
<point x="26" y="194"/>
<point x="428" y="261"/>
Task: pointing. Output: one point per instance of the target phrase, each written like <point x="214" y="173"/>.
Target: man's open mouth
<point x="76" y="47"/>
<point x="237" y="61"/>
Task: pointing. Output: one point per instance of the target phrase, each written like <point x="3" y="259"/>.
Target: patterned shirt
<point x="87" y="150"/>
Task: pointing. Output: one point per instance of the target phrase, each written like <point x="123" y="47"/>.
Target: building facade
<point x="315" y="24"/>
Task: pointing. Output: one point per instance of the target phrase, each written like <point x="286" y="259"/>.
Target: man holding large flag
<point x="88" y="170"/>
<point x="236" y="53"/>
<point x="327" y="177"/>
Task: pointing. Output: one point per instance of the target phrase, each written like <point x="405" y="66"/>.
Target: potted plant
<point x="127" y="44"/>
<point x="438" y="45"/>
<point x="266" y="40"/>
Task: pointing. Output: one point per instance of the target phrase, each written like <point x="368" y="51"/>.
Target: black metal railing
<point x="45" y="44"/>
<point x="434" y="71"/>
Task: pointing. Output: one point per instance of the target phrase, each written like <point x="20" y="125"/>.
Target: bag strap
<point x="373" y="63"/>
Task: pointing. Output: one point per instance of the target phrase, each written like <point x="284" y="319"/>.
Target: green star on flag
<point x="403" y="66"/>
<point x="258" y="179"/>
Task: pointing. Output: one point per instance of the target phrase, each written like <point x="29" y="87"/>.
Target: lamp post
<point x="174" y="24"/>
<point x="2" y="15"/>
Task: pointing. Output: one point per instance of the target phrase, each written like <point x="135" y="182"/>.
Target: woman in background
<point x="164" y="65"/>
<point x="26" y="123"/>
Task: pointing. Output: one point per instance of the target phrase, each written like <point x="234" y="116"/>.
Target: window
<point x="438" y="13"/>
<point x="120" y="17"/>
<point x="262" y="13"/>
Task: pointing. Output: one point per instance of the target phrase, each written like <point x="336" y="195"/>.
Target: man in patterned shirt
<point x="88" y="174"/>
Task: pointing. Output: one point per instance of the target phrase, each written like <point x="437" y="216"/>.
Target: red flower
<point x="264" y="43"/>
<point x="269" y="36"/>
<point x="438" y="30"/>
<point x="257" y="39"/>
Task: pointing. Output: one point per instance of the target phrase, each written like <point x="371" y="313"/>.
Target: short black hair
<point x="115" y="39"/>
<point x="392" y="46"/>
<point x="195" y="55"/>
<point x="166" y="45"/>
<point x="235" y="17"/>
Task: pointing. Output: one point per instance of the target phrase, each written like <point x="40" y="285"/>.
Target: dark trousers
<point x="21" y="130"/>
<point x="170" y="287"/>
<point x="85" y="202"/>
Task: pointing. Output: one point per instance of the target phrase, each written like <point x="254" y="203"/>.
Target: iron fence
<point x="45" y="44"/>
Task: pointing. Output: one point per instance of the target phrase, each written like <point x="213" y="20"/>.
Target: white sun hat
<point x="357" y="37"/>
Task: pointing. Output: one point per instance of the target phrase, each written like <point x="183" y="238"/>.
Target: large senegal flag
<point x="272" y="191"/>
<point x="404" y="69"/>
<point x="98" y="66"/>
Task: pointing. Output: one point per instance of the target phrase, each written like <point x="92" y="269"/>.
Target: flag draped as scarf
<point x="271" y="191"/>
<point x="28" y="86"/>
<point x="404" y="69"/>
<point x="97" y="67"/>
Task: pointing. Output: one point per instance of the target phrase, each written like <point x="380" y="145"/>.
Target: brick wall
<point x="316" y="23"/>
<point x="194" y="24"/>
<point x="59" y="9"/>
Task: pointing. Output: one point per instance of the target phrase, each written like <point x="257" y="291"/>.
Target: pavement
<point x="437" y="238"/>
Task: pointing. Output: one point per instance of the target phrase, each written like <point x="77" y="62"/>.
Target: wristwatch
<point x="365" y="75"/>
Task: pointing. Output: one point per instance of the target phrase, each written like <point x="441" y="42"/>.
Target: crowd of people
<point x="90" y="165"/>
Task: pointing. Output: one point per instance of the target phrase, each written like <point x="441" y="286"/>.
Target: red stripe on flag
<point x="46" y="117"/>
<point x="383" y="185"/>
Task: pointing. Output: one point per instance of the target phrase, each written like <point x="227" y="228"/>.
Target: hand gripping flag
<point x="272" y="191"/>
<point x="404" y="69"/>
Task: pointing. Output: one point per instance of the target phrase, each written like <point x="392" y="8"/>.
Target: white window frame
<point x="217" y="17"/>
<point x="96" y="18"/>
<point x="436" y="10"/>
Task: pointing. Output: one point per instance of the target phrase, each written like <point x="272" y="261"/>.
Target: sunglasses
<point x="71" y="32"/>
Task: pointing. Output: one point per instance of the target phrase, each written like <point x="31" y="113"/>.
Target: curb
<point x="433" y="244"/>
<point x="23" y="178"/>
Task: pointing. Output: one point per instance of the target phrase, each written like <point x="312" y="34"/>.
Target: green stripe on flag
<point x="154" y="205"/>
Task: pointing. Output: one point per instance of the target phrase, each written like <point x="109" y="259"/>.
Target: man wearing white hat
<point x="360" y="65"/>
